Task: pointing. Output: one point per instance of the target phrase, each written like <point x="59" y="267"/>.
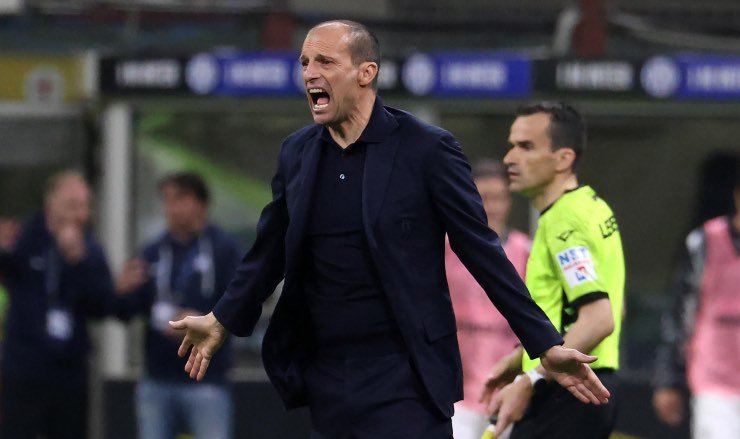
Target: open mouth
<point x="319" y="97"/>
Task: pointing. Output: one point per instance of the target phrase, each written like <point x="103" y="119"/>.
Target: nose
<point x="309" y="72"/>
<point x="509" y="157"/>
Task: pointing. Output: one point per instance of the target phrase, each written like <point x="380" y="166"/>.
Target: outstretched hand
<point x="569" y="368"/>
<point x="205" y="334"/>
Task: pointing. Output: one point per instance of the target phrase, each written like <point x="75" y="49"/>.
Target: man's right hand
<point x="502" y="373"/>
<point x="134" y="274"/>
<point x="205" y="334"/>
<point x="669" y="405"/>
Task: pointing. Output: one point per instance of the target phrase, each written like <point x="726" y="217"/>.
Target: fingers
<point x="191" y="360"/>
<point x="580" y="392"/>
<point x="199" y="366"/>
<point x="203" y="367"/>
<point x="587" y="387"/>
<point x="583" y="358"/>
<point x="196" y="365"/>
<point x="596" y="387"/>
<point x="185" y="345"/>
<point x="504" y="420"/>
<point x="485" y="397"/>
<point x="491" y="385"/>
<point x="494" y="405"/>
<point x="179" y="324"/>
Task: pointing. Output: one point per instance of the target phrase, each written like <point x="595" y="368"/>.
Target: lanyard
<point x="203" y="262"/>
<point x="52" y="275"/>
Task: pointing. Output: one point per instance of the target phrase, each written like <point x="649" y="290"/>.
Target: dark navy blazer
<point x="417" y="188"/>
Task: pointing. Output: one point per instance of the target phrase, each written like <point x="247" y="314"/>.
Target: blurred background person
<point x="57" y="277"/>
<point x="575" y="272"/>
<point x="483" y="334"/>
<point x="182" y="272"/>
<point x="700" y="350"/>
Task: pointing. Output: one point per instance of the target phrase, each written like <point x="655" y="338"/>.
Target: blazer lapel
<point x="378" y="166"/>
<point x="307" y="180"/>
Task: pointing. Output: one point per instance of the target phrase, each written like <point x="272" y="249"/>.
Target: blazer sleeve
<point x="262" y="268"/>
<point x="459" y="206"/>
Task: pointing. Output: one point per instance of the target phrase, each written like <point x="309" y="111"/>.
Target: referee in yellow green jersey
<point x="575" y="273"/>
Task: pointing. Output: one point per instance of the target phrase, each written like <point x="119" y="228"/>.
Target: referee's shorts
<point x="554" y="413"/>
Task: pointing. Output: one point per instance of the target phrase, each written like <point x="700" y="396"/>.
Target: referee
<point x="575" y="273"/>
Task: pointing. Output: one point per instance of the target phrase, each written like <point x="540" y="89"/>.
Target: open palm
<point x="569" y="368"/>
<point x="205" y="335"/>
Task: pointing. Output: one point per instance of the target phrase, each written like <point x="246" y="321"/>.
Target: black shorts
<point x="554" y="413"/>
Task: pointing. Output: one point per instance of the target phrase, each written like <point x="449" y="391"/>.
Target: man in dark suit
<point x="364" y="331"/>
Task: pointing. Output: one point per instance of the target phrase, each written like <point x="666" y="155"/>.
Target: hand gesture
<point x="502" y="373"/>
<point x="511" y="403"/>
<point x="205" y="334"/>
<point x="133" y="275"/>
<point x="569" y="368"/>
<point x="669" y="405"/>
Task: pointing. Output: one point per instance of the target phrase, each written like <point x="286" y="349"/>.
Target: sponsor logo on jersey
<point x="565" y="235"/>
<point x="577" y="265"/>
<point x="608" y="227"/>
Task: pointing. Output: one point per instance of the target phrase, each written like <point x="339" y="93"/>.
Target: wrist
<point x="533" y="376"/>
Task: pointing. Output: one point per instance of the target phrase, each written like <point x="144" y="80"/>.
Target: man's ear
<point x="566" y="159"/>
<point x="367" y="73"/>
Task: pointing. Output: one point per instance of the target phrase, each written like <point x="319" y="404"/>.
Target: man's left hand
<point x="569" y="368"/>
<point x="511" y="402"/>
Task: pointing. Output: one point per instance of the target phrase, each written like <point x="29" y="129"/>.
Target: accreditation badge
<point x="59" y="324"/>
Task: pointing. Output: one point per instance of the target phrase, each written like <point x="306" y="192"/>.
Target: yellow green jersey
<point x="577" y="258"/>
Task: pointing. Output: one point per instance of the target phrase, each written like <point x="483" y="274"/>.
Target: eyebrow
<point x="318" y="57"/>
<point x="521" y="143"/>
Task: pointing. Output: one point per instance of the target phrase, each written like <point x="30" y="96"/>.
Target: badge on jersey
<point x="59" y="324"/>
<point x="577" y="265"/>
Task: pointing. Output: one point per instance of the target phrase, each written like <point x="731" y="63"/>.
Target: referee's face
<point x="531" y="163"/>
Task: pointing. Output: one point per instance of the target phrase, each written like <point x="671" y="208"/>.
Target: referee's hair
<point x="567" y="126"/>
<point x="362" y="45"/>
<point x="187" y="181"/>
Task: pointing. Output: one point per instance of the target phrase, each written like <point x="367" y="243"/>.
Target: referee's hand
<point x="205" y="334"/>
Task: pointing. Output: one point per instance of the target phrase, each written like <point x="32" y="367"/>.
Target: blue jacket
<point x="204" y="273"/>
<point x="417" y="188"/>
<point x="82" y="290"/>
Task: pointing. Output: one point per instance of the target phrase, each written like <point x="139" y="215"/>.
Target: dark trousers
<point x="554" y="413"/>
<point x="371" y="398"/>
<point x="56" y="410"/>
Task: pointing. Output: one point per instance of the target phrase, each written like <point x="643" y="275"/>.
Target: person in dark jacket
<point x="364" y="331"/>
<point x="57" y="277"/>
<point x="182" y="272"/>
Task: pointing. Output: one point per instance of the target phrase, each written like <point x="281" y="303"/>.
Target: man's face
<point x="183" y="211"/>
<point x="331" y="79"/>
<point x="68" y="205"/>
<point x="531" y="161"/>
<point x="494" y="192"/>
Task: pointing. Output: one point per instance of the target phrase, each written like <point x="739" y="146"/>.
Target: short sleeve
<point x="572" y="250"/>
